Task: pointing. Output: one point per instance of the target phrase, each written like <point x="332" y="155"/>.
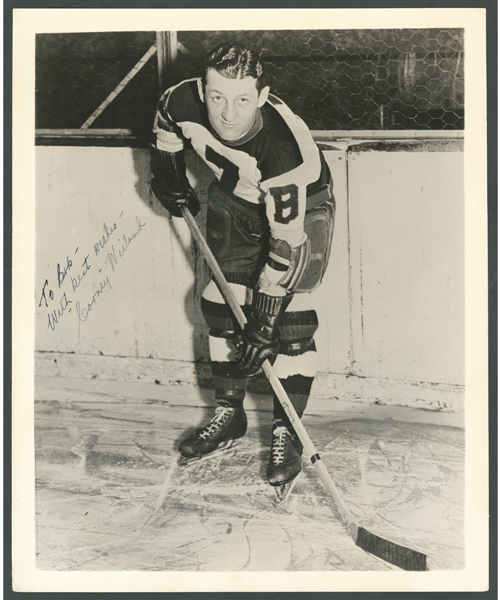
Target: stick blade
<point x="400" y="556"/>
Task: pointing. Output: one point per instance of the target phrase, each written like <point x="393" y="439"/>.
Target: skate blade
<point x="282" y="492"/>
<point x="223" y="447"/>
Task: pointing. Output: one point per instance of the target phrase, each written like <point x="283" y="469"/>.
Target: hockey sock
<point x="298" y="388"/>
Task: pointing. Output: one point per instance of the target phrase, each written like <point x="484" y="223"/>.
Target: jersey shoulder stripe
<point x="182" y="103"/>
<point x="275" y="146"/>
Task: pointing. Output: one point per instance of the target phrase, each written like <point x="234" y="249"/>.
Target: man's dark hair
<point x="234" y="62"/>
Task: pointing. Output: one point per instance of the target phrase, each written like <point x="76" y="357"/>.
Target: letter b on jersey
<point x="286" y="200"/>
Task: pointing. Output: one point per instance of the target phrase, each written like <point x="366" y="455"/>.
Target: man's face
<point x="231" y="104"/>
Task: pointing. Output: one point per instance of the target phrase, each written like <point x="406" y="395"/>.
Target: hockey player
<point x="269" y="224"/>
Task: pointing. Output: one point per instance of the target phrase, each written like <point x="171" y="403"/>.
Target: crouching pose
<point x="269" y="225"/>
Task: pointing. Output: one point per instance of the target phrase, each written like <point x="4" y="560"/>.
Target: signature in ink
<point x="112" y="258"/>
<point x="66" y="272"/>
<point x="84" y="312"/>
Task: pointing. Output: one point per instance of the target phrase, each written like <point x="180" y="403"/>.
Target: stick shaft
<point x="270" y="373"/>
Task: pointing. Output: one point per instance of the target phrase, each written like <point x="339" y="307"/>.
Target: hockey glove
<point x="170" y="183"/>
<point x="260" y="338"/>
<point x="173" y="201"/>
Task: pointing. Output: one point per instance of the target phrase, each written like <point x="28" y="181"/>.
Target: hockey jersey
<point x="276" y="162"/>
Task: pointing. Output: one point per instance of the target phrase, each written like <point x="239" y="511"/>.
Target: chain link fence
<point x="355" y="79"/>
<point x="395" y="79"/>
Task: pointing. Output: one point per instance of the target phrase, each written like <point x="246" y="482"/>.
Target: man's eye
<point x="243" y="100"/>
<point x="216" y="98"/>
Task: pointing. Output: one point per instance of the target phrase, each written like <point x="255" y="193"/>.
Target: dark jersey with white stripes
<point x="276" y="163"/>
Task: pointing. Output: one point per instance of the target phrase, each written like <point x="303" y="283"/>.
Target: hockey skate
<point x="228" y="425"/>
<point x="286" y="461"/>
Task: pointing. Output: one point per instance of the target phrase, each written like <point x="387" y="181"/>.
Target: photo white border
<point x="28" y="22"/>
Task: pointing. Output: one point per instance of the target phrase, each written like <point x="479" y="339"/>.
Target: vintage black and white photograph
<point x="251" y="279"/>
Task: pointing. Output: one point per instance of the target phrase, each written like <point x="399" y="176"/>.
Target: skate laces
<point x="222" y="416"/>
<point x="279" y="442"/>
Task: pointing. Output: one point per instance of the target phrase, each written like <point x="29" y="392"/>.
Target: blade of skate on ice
<point x="400" y="556"/>
<point x="223" y="447"/>
<point x="283" y="491"/>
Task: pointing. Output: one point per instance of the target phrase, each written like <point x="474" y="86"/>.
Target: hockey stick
<point x="402" y="557"/>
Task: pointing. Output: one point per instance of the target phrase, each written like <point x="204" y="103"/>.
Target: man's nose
<point x="229" y="113"/>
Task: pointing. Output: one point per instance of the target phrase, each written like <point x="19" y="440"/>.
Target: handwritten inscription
<point x="112" y="257"/>
<point x="72" y="275"/>
<point x="61" y="274"/>
<point x="84" y="311"/>
<point x="108" y="231"/>
<point x="55" y="315"/>
<point x="75" y="282"/>
<point x="43" y="297"/>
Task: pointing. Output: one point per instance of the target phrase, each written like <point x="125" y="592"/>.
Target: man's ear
<point x="200" y="90"/>
<point x="264" y="93"/>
